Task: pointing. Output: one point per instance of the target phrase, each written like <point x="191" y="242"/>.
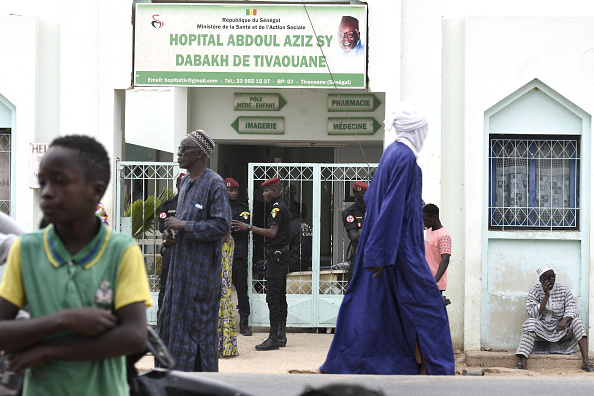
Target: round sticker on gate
<point x="162" y="215"/>
<point x="350" y="219"/>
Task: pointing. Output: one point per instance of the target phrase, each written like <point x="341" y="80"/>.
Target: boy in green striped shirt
<point x="85" y="285"/>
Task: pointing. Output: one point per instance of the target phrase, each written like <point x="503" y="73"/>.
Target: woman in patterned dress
<point x="227" y="330"/>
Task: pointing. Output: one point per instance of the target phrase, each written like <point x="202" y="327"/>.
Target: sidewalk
<point x="306" y="350"/>
<point x="304" y="353"/>
<point x="502" y="363"/>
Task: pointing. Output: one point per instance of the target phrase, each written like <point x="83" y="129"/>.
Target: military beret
<point x="231" y="182"/>
<point x="360" y="186"/>
<point x="180" y="176"/>
<point x="275" y="181"/>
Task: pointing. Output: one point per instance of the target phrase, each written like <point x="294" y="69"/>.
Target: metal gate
<point x="322" y="191"/>
<point x="141" y="188"/>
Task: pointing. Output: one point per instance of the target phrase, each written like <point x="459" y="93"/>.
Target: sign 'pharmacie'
<point x="321" y="46"/>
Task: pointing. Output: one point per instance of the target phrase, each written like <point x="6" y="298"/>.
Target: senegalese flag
<point x="250" y="11"/>
<point x="245" y="215"/>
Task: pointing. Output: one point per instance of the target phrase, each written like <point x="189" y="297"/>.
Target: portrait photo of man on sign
<point x="349" y="37"/>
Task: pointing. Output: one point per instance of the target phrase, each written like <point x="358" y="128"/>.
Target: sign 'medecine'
<point x="232" y="45"/>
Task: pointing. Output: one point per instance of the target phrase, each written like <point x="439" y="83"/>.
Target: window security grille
<point x="534" y="183"/>
<point x="5" y="170"/>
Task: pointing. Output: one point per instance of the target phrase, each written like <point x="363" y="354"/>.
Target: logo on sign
<point x="157" y="24"/>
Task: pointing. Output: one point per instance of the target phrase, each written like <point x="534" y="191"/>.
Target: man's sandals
<point x="589" y="367"/>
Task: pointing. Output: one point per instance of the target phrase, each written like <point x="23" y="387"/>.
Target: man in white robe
<point x="554" y="325"/>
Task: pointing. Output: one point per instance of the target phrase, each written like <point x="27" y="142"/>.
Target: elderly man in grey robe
<point x="554" y="325"/>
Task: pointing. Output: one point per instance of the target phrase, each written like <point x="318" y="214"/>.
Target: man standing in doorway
<point x="300" y="242"/>
<point x="240" y="212"/>
<point x="190" y="313"/>
<point x="438" y="246"/>
<point x="277" y="254"/>
<point x="352" y="218"/>
<point x="290" y="195"/>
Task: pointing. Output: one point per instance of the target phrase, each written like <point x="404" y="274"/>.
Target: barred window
<point x="5" y="170"/>
<point x="534" y="183"/>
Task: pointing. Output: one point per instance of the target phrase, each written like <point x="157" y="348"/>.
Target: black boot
<point x="244" y="329"/>
<point x="271" y="342"/>
<point x="282" y="334"/>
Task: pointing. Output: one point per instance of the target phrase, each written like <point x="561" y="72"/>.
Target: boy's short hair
<point x="431" y="210"/>
<point x="91" y="154"/>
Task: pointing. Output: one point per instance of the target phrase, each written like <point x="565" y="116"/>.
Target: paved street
<point x="294" y="384"/>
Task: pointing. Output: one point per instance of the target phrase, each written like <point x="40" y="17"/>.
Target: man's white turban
<point x="410" y="125"/>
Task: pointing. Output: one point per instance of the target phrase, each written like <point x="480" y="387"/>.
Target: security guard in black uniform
<point x="352" y="218"/>
<point x="240" y="212"/>
<point x="167" y="210"/>
<point x="277" y="255"/>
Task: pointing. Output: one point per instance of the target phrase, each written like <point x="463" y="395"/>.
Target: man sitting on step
<point x="554" y="325"/>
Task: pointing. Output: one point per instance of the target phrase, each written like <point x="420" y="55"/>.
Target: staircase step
<point x="509" y="359"/>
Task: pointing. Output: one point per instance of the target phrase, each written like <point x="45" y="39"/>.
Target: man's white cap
<point x="543" y="269"/>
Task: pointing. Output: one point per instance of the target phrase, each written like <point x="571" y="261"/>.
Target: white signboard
<point x="36" y="151"/>
<point x="251" y="45"/>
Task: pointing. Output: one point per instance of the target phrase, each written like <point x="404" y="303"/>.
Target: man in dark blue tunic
<point x="190" y="314"/>
<point x="392" y="304"/>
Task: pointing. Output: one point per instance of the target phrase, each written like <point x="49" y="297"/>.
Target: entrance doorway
<point x="314" y="291"/>
<point x="233" y="159"/>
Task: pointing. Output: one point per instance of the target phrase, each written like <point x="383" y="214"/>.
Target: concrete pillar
<point x="180" y="120"/>
<point x="420" y="77"/>
<point x="384" y="23"/>
<point x="79" y="68"/>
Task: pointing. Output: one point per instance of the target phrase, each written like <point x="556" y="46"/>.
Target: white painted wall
<point x="18" y="84"/>
<point x="66" y="59"/>
<point x="420" y="77"/>
<point x="95" y="59"/>
<point x="501" y="55"/>
<point x="452" y="209"/>
<point x="384" y="63"/>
